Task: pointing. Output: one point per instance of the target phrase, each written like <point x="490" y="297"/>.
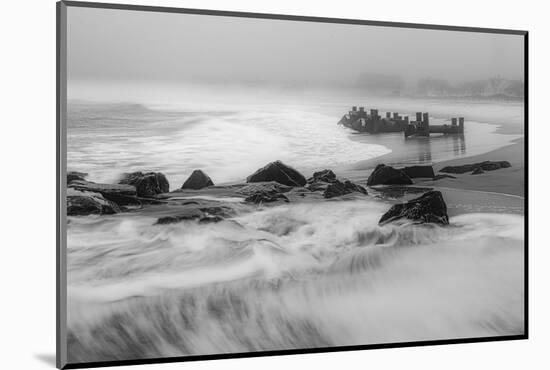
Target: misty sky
<point x="120" y="45"/>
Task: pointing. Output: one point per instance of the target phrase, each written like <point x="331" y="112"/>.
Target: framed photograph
<point x="237" y="184"/>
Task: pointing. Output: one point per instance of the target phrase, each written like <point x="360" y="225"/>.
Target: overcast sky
<point x="120" y="45"/>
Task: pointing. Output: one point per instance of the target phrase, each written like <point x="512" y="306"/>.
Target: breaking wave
<point x="293" y="276"/>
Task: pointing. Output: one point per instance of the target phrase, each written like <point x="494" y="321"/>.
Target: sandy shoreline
<point x="506" y="181"/>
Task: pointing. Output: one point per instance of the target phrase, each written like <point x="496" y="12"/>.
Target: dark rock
<point x="387" y="175"/>
<point x="338" y="188"/>
<point x="478" y="171"/>
<point x="197" y="180"/>
<point x="81" y="203"/>
<point x="331" y="186"/>
<point x="354" y="187"/>
<point x="200" y="214"/>
<point x="269" y="187"/>
<point x="74" y="175"/>
<point x="266" y="197"/>
<point x="491" y="166"/>
<point x="147" y="184"/>
<point x="419" y="171"/>
<point x="322" y="176"/>
<point x="279" y="172"/>
<point x="439" y="177"/>
<point x="118" y="193"/>
<point x="429" y="208"/>
<point x="486" y="166"/>
<point x="317" y="186"/>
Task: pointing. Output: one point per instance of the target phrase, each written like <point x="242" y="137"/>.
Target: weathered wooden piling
<point x="374" y="114"/>
<point x="426" y="118"/>
<point x="358" y="119"/>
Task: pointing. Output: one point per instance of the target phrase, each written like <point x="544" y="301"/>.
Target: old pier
<point x="360" y="120"/>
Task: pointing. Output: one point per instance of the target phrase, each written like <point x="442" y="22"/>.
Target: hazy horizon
<point x="110" y="46"/>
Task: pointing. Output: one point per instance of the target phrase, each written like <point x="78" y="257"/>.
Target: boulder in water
<point x="75" y="175"/>
<point x="279" y="172"/>
<point x="429" y="208"/>
<point x="338" y="188"/>
<point x="121" y="194"/>
<point x="322" y="176"/>
<point x="196" y="212"/>
<point x="147" y="184"/>
<point x="197" y="180"/>
<point x="269" y="187"/>
<point x="387" y="175"/>
<point x="83" y="203"/>
<point x="266" y="197"/>
<point x="419" y="171"/>
<point x="485" y="166"/>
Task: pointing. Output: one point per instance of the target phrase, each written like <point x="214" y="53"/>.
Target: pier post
<point x="395" y="115"/>
<point x="461" y="124"/>
<point x="425" y="118"/>
<point x="362" y="112"/>
<point x="406" y="118"/>
<point x="354" y="108"/>
<point x="425" y="125"/>
<point x="453" y="121"/>
<point x="388" y="114"/>
<point x="418" y="116"/>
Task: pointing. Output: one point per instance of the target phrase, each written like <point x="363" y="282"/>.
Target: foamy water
<point x="228" y="146"/>
<point x="106" y="140"/>
<point x="293" y="276"/>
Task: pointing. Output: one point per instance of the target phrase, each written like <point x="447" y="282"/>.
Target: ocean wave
<point x="228" y="145"/>
<point x="291" y="276"/>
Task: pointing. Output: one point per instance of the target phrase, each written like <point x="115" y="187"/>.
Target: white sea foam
<point x="326" y="270"/>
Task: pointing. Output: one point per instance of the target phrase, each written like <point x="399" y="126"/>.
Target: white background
<point x="27" y="202"/>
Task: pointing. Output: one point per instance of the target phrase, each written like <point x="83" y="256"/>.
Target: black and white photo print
<point x="235" y="185"/>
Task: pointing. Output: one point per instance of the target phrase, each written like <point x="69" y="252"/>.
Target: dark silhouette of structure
<point x="373" y="123"/>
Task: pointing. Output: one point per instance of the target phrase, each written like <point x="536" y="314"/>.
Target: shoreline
<point x="507" y="181"/>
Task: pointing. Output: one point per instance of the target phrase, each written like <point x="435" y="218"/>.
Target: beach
<point x="236" y="266"/>
<point x="507" y="181"/>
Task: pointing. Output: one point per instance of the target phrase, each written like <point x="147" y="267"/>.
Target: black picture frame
<point x="61" y="185"/>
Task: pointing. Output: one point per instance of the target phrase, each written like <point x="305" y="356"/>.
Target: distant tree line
<point x="492" y="87"/>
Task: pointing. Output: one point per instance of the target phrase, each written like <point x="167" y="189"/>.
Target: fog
<point x="119" y="45"/>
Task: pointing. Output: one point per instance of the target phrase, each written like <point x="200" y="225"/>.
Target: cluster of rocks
<point x="271" y="183"/>
<point x="388" y="175"/>
<point x="326" y="182"/>
<point x="277" y="172"/>
<point x="133" y="189"/>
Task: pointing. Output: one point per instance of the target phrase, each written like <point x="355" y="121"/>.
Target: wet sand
<point x="507" y="180"/>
